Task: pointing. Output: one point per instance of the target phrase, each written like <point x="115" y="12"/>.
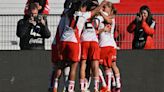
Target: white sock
<point x="102" y="78"/>
<point x="108" y="79"/>
<point x="113" y="80"/>
<point x="56" y="83"/>
<point x="82" y="84"/>
<point x="66" y="75"/>
<point x="96" y="83"/>
<point x="88" y="82"/>
<point x="71" y="86"/>
<point x="118" y="83"/>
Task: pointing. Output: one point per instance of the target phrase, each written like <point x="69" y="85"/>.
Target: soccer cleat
<point x="104" y="89"/>
<point x="54" y="89"/>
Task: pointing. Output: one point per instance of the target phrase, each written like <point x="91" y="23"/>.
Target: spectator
<point x="33" y="30"/>
<point x="42" y="6"/>
<point x="143" y="29"/>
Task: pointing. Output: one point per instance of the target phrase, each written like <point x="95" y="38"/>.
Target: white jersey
<point x="73" y="35"/>
<point x="63" y="22"/>
<point x="89" y="32"/>
<point x="106" y="38"/>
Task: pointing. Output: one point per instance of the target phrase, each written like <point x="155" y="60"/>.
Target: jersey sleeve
<point x="87" y="15"/>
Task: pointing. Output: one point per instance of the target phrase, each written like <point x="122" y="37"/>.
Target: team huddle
<point x="85" y="36"/>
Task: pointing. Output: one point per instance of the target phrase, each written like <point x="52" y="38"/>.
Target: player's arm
<point x="98" y="8"/>
<point x="107" y="18"/>
<point x="107" y="28"/>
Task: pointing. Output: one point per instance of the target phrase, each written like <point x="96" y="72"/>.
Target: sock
<point x="66" y="74"/>
<point x="102" y="78"/>
<point x="56" y="83"/>
<point x="96" y="83"/>
<point x="82" y="84"/>
<point x="118" y="83"/>
<point x="88" y="82"/>
<point x="113" y="80"/>
<point x="108" y="79"/>
<point x="71" y="86"/>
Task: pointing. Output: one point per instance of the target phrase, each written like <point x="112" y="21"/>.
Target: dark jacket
<point x="32" y="37"/>
<point x="143" y="34"/>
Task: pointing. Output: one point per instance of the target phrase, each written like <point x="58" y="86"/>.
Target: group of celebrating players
<point x="85" y="35"/>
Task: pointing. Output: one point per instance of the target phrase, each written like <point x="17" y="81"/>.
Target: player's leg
<point x="83" y="65"/>
<point x="116" y="70"/>
<point x="94" y="55"/>
<point x="104" y="85"/>
<point x="108" y="78"/>
<point x="66" y="75"/>
<point x="73" y="55"/>
<point x="56" y="80"/>
<point x="82" y="75"/>
<point x="117" y="74"/>
<point x="113" y="85"/>
<point x="56" y="72"/>
<point x="95" y="72"/>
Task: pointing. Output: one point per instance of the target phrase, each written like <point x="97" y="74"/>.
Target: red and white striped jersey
<point x="72" y="33"/>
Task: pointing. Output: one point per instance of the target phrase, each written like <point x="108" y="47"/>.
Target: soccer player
<point x="58" y="65"/>
<point x="108" y="45"/>
<point x="89" y="51"/>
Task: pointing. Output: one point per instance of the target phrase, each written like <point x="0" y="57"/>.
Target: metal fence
<point x="124" y="39"/>
<point x="9" y="40"/>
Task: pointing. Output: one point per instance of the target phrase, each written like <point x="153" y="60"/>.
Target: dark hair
<point x="91" y="4"/>
<point x="150" y="17"/>
<point x="32" y="6"/>
<point x="41" y="3"/>
<point x="74" y="7"/>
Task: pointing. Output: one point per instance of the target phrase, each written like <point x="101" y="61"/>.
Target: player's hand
<point x="107" y="28"/>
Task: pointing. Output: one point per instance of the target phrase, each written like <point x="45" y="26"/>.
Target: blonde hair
<point x="110" y="5"/>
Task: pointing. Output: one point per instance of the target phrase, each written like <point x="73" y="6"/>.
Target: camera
<point x="138" y="14"/>
<point x="38" y="18"/>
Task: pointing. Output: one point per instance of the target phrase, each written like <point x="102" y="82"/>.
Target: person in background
<point x="142" y="28"/>
<point x="42" y="5"/>
<point x="33" y="30"/>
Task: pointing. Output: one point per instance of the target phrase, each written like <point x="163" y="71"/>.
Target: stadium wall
<point x="28" y="71"/>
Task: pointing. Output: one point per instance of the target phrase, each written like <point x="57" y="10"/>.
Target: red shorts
<point x="70" y="51"/>
<point x="90" y="50"/>
<point x="107" y="55"/>
<point x="55" y="56"/>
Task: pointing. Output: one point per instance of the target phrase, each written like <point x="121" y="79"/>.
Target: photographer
<point x="32" y="30"/>
<point x="143" y="28"/>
